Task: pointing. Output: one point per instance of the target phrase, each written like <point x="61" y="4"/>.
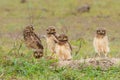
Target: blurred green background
<point x="14" y="16"/>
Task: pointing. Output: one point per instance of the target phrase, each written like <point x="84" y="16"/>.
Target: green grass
<point x="24" y="69"/>
<point x="20" y="65"/>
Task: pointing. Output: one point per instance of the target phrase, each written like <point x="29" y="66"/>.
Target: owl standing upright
<point x="101" y="43"/>
<point x="51" y="39"/>
<point x="33" y="41"/>
<point x="63" y="48"/>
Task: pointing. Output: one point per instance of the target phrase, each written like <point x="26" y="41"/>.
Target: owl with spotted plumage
<point x="32" y="41"/>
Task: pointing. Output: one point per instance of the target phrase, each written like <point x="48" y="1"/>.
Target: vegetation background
<point x="16" y="61"/>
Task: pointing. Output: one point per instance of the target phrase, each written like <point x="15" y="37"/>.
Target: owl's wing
<point x="37" y="41"/>
<point x="70" y="46"/>
<point x="37" y="37"/>
<point x="40" y="46"/>
<point x="55" y="38"/>
<point x="95" y="44"/>
<point x="106" y="41"/>
<point x="32" y="40"/>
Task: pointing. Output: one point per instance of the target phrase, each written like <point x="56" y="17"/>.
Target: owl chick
<point x="51" y="39"/>
<point x="33" y="41"/>
<point x="100" y="42"/>
<point x="63" y="48"/>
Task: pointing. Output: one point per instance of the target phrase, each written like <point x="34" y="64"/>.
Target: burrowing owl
<point x="63" y="48"/>
<point x="33" y="41"/>
<point x="51" y="39"/>
<point x="101" y="42"/>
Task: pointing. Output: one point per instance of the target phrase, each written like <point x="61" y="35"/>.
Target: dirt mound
<point x="103" y="63"/>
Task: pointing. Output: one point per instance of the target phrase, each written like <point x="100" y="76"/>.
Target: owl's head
<point x="51" y="30"/>
<point x="62" y="38"/>
<point x="101" y="31"/>
<point x="29" y="28"/>
<point x="38" y="54"/>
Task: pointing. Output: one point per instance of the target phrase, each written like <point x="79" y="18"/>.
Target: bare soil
<point x="103" y="63"/>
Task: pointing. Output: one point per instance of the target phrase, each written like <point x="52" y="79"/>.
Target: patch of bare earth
<point x="103" y="63"/>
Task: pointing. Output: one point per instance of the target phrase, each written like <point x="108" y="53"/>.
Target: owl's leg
<point x="106" y="54"/>
<point x="99" y="54"/>
<point x="69" y="57"/>
<point x="62" y="58"/>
